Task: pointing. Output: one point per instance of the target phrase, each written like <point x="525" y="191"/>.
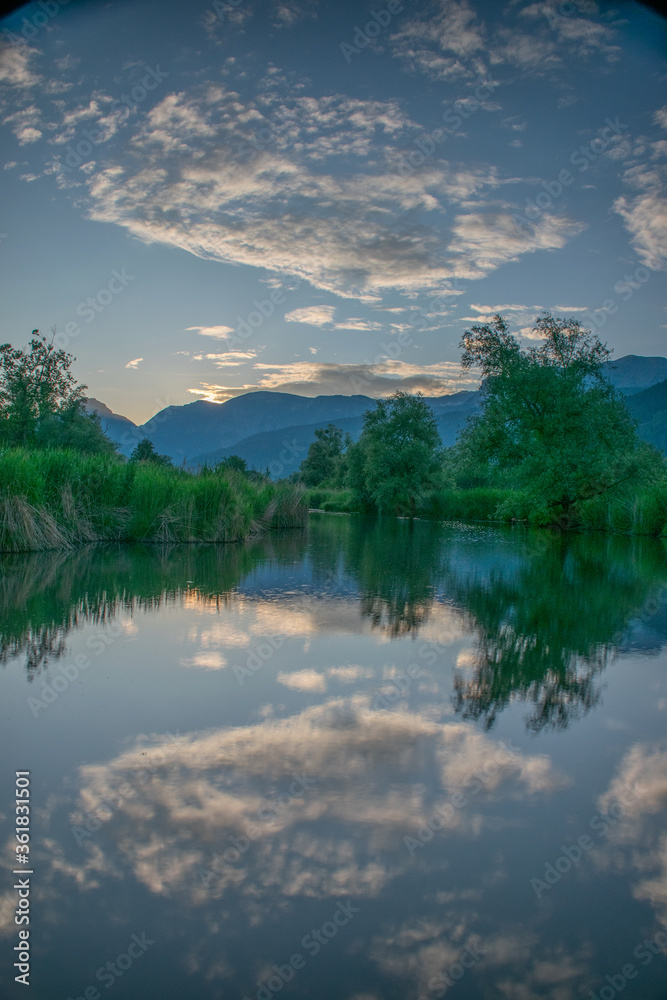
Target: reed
<point x="61" y="499"/>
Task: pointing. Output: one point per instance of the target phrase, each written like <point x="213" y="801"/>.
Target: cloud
<point x="363" y="325"/>
<point x="134" y="364"/>
<point x="303" y="680"/>
<point x="228" y="359"/>
<point x="313" y="378"/>
<point x="359" y="230"/>
<point x="486" y="240"/>
<point x="442" y="44"/>
<point x="645" y="214"/>
<point x="660" y="116"/>
<point x="313" y="315"/>
<point x="14" y="66"/>
<point x="24" y="124"/>
<point x="220" y="332"/>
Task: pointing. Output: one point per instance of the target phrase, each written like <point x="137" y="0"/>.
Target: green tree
<point x="397" y="462"/>
<point x="41" y="404"/>
<point x="325" y="462"/>
<point x="552" y="425"/>
<point x="233" y="463"/>
<point x="145" y="452"/>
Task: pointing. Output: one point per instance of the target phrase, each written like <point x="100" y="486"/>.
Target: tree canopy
<point x="552" y="424"/>
<point x="325" y="462"/>
<point x="397" y="462"/>
<point x="41" y="404"/>
<point x="145" y="452"/>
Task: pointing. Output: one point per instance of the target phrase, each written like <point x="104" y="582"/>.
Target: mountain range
<point x="274" y="429"/>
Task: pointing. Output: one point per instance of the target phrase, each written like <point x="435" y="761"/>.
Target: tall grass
<point x="59" y="499"/>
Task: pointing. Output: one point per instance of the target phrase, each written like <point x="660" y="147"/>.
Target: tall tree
<point x="325" y="461"/>
<point x="396" y="464"/>
<point x="552" y="424"/>
<point x="41" y="403"/>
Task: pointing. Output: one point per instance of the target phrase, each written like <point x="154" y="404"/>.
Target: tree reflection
<point x="45" y="596"/>
<point x="397" y="563"/>
<point x="547" y="625"/>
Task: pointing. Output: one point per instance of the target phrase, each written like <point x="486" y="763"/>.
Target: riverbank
<point x="61" y="499"/>
<point x="640" y="512"/>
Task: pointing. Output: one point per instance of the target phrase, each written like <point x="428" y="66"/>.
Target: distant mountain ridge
<point x="261" y="425"/>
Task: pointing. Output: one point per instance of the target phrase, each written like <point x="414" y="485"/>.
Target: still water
<point x="367" y="761"/>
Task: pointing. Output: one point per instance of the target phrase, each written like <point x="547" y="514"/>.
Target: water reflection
<point x="307" y="781"/>
<point x="547" y="624"/>
<point x="545" y="612"/>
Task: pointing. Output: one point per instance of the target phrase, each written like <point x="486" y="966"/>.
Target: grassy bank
<point x="59" y="499"/>
<point x="640" y="512"/>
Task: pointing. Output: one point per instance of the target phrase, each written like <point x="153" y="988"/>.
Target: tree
<point x="145" y="452"/>
<point x="41" y="404"/>
<point x="325" y="461"/>
<point x="396" y="464"/>
<point x="233" y="463"/>
<point x="552" y="424"/>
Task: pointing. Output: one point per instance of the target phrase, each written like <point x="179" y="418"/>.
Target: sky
<point x="316" y="197"/>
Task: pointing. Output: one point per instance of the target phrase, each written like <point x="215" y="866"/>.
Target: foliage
<point x="57" y="499"/>
<point x="325" y="463"/>
<point x="396" y="464"/>
<point x="232" y="462"/>
<point x="552" y="425"/>
<point x="145" y="452"/>
<point x="41" y="404"/>
<point x="323" y="498"/>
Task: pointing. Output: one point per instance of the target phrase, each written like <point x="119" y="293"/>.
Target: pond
<point x="370" y="760"/>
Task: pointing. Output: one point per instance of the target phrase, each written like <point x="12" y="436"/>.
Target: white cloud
<point x="363" y="325"/>
<point x="303" y="680"/>
<point x="219" y="332"/>
<point x="313" y="315"/>
<point x="313" y="378"/>
<point x="24" y="124"/>
<point x="14" y="66"/>
<point x="357" y="232"/>
<point x="134" y="364"/>
<point x="228" y="359"/>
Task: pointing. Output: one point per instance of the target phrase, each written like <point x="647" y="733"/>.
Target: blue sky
<point x="319" y="198"/>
